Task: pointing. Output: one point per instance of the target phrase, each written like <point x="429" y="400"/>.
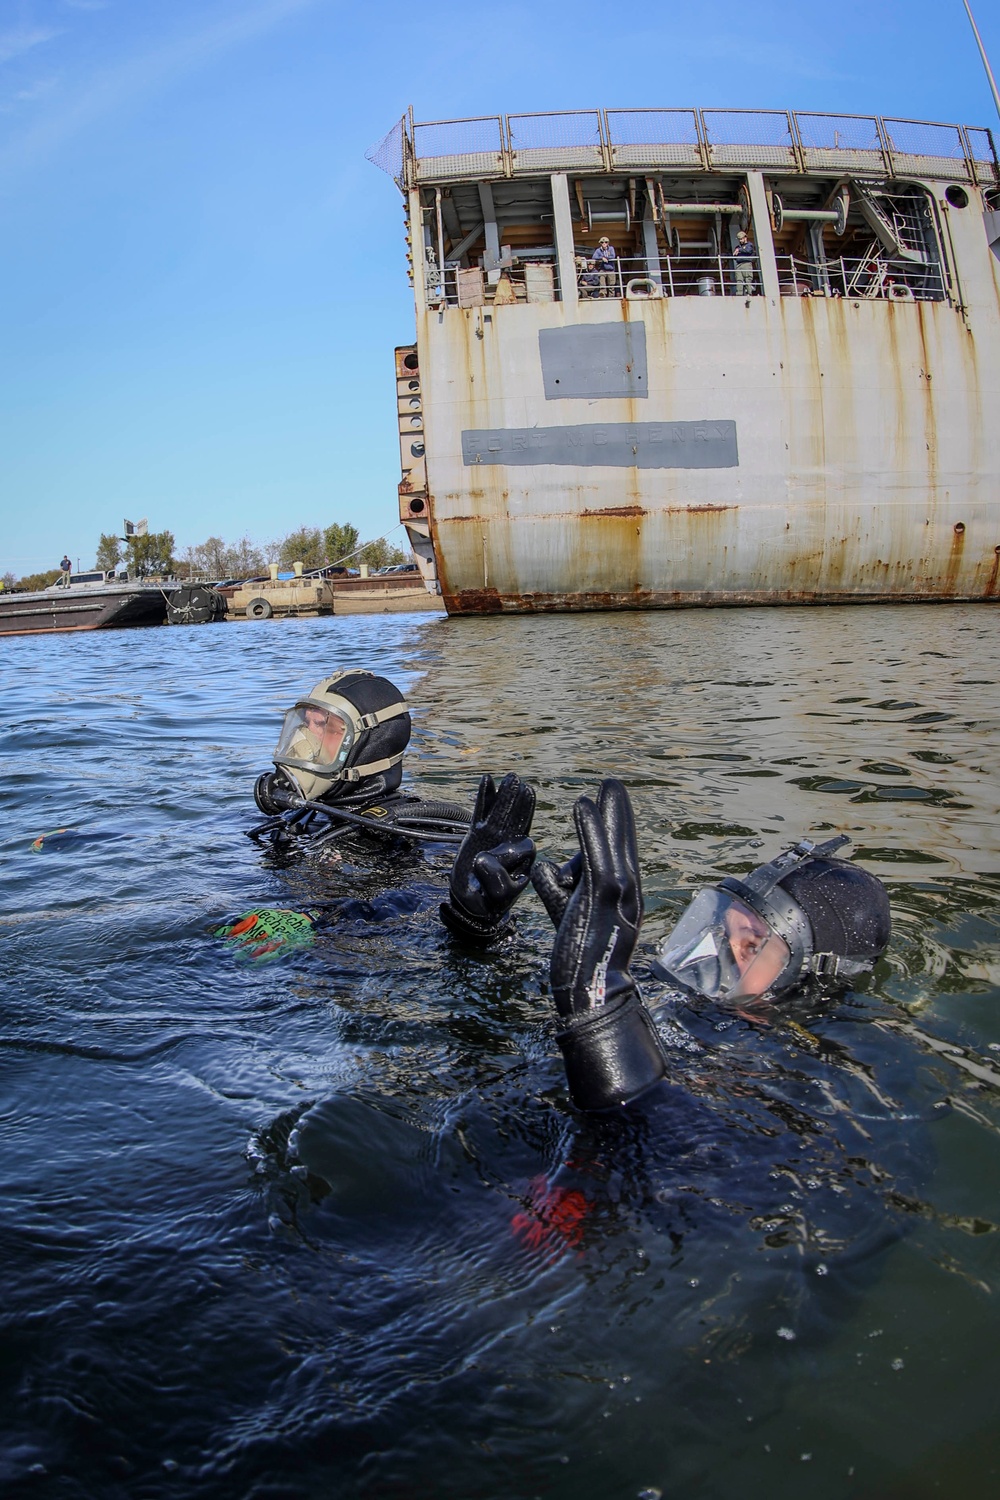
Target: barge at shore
<point x="675" y="430"/>
<point x="83" y="601"/>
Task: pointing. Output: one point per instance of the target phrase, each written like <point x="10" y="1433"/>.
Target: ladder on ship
<point x="870" y="275"/>
<point x="901" y="233"/>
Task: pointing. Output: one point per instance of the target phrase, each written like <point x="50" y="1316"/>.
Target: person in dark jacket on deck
<point x="744" y="259"/>
<point x="605" y="263"/>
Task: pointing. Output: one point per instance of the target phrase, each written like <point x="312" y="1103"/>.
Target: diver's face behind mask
<point x="314" y="744"/>
<point x="803" y="916"/>
<point x="723" y="950"/>
<point x="350" y="728"/>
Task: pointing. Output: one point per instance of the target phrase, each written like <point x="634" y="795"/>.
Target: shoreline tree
<point x="109" y="553"/>
<point x="304" y="545"/>
<point x="340" y="541"/>
<point x="150" y="554"/>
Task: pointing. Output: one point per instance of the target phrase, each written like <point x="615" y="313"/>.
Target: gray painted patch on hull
<point x="613" y="445"/>
<point x="602" y="360"/>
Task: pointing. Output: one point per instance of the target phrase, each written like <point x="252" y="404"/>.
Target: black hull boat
<point x="87" y="602"/>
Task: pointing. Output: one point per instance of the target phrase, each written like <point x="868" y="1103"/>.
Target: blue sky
<point x="202" y="278"/>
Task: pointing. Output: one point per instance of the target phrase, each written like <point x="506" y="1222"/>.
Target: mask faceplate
<point x="724" y="950"/>
<point x="314" y="744"/>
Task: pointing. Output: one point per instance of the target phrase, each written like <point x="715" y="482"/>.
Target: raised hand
<point x="610" y="1045"/>
<point x="595" y="900"/>
<point x="493" y="864"/>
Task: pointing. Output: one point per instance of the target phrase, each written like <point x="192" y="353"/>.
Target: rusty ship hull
<point x="661" y="445"/>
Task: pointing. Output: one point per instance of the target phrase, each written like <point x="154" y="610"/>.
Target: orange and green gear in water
<point x="265" y="932"/>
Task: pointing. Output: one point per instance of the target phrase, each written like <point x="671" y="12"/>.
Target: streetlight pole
<point x="982" y="53"/>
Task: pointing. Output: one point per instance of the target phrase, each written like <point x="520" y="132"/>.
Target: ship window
<point x="417" y="449"/>
<point x="957" y="196"/>
<point x="410" y="361"/>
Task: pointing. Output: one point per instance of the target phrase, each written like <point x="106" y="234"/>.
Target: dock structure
<point x="685" y="420"/>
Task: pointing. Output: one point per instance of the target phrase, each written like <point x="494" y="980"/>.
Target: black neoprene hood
<point x="371" y="694"/>
<point x="848" y="909"/>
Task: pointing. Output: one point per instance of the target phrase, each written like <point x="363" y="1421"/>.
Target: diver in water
<point x="338" y="769"/>
<point x="751" y="1183"/>
<point x="803" y="921"/>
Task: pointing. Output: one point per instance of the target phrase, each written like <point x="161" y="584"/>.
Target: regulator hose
<point x="427" y="822"/>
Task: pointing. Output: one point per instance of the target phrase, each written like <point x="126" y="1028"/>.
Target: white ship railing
<point x="874" y="276"/>
<point x="700" y="140"/>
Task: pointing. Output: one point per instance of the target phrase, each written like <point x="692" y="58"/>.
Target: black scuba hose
<point x="432" y="822"/>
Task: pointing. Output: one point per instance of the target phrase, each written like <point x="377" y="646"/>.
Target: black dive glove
<point x="493" y="864"/>
<point x="609" y="1044"/>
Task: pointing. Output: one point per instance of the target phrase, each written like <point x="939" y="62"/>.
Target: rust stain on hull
<point x="955" y="557"/>
<point x="489" y="602"/>
<point x="696" y="510"/>
<point x="615" y="510"/>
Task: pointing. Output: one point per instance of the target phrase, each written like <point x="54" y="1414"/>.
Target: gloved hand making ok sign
<point x="609" y="1044"/>
<point x="493" y="864"/>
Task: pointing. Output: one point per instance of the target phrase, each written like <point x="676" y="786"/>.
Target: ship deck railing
<point x="875" y="277"/>
<point x="618" y="141"/>
<point x="872" y="276"/>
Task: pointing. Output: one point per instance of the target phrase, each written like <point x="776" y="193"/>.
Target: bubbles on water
<point x="822" y="1270"/>
<point x="786" y="1333"/>
<point x="897" y="1364"/>
<point x="650" y="1493"/>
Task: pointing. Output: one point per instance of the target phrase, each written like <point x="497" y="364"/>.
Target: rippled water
<point x="328" y="1226"/>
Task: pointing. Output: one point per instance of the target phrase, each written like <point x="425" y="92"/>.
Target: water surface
<point x="328" y="1225"/>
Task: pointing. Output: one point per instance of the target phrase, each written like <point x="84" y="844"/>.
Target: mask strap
<point x="372" y="768"/>
<point x="368" y="721"/>
<point x="763" y="880"/>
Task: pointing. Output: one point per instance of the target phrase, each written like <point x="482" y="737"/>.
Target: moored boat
<point x="84" y="601"/>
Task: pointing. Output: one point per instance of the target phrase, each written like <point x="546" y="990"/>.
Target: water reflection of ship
<point x="677" y="431"/>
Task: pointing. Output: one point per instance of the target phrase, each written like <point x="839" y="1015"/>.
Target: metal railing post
<point x="970" y="160"/>
<point x="702" y="134"/>
<point x="604" y="132"/>
<point x="886" y="144"/>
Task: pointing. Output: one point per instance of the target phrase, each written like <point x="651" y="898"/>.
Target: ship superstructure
<point x="679" y="423"/>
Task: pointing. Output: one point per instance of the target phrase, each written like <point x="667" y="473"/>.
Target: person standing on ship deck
<point x="605" y="262"/>
<point x="743" y="257"/>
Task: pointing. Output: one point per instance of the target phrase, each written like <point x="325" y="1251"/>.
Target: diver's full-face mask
<point x="314" y="745"/>
<point x="750" y="938"/>
<point x="722" y="949"/>
<point x="351" y="727"/>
